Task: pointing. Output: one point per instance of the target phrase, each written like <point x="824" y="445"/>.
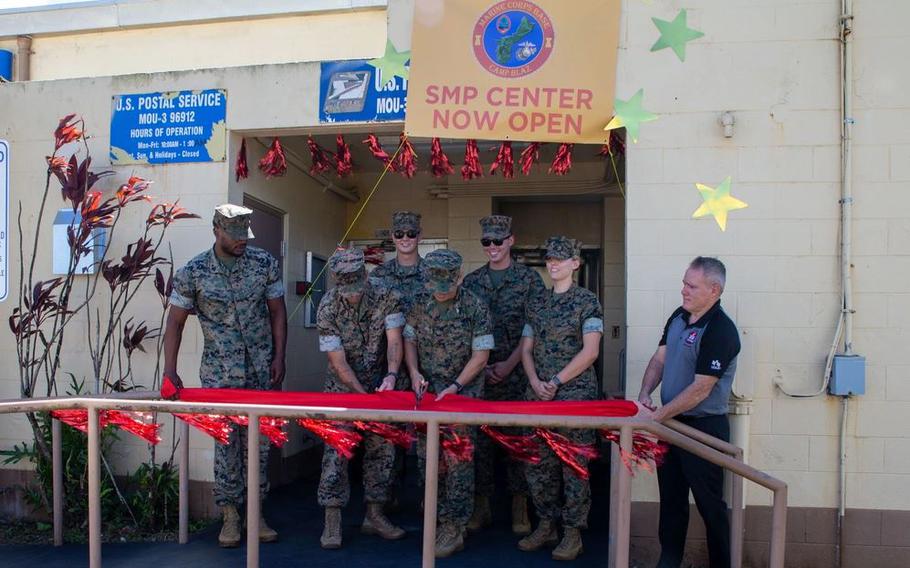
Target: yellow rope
<point x="350" y="228"/>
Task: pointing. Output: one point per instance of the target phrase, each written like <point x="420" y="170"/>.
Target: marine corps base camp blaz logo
<point x="513" y="38"/>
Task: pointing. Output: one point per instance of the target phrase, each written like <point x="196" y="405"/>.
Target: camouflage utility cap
<point x="443" y="268"/>
<point x="496" y="227"/>
<point x="348" y="270"/>
<point x="563" y="248"/>
<point x="234" y="220"/>
<point x="405" y="221"/>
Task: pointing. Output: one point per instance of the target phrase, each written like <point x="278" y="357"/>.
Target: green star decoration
<point x="630" y="115"/>
<point x="392" y="63"/>
<point x="675" y="34"/>
<point x="717" y="203"/>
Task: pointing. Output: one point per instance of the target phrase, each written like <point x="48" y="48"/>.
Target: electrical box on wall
<point x="848" y="375"/>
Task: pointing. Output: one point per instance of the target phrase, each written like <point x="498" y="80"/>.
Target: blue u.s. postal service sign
<point x="167" y="128"/>
<point x="355" y="91"/>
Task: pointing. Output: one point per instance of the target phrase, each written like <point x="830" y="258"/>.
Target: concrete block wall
<point x="775" y="66"/>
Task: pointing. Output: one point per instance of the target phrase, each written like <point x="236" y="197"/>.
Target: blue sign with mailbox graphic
<point x="169" y="127"/>
<point x="355" y="91"/>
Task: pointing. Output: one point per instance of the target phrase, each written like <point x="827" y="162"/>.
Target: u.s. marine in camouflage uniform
<point x="448" y="339"/>
<point x="560" y="345"/>
<point x="360" y="326"/>
<point x="237" y="294"/>
<point x="507" y="288"/>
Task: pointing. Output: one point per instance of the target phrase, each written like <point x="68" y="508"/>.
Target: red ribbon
<point x="522" y="448"/>
<point x="529" y="156"/>
<point x="471" y="168"/>
<point x="562" y="162"/>
<point x="440" y="165"/>
<point x="321" y="163"/>
<point x="457" y="448"/>
<point x="375" y="147"/>
<point x="214" y="425"/>
<point x="78" y="419"/>
<point x="334" y="434"/>
<point x="504" y="160"/>
<point x="344" y="165"/>
<point x="241" y="171"/>
<point x="568" y="451"/>
<point x="616" y="146"/>
<point x="274" y="164"/>
<point x="406" y="161"/>
<point x="272" y="428"/>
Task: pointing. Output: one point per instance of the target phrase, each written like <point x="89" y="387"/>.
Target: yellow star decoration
<point x="392" y="63"/>
<point x="717" y="203"/>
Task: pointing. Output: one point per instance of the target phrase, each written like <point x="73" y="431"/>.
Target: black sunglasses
<point x="498" y="242"/>
<point x="410" y="234"/>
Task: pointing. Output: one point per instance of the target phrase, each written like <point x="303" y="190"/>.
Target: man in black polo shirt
<point x="694" y="364"/>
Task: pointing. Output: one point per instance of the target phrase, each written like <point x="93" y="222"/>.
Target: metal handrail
<point x="620" y="478"/>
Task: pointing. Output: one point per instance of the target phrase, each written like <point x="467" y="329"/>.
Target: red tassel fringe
<point x="271" y="428"/>
<point x="394" y="434"/>
<point x="504" y="160"/>
<point x="215" y="425"/>
<point x="78" y="419"/>
<point x="321" y="163"/>
<point x="334" y="434"/>
<point x="568" y="451"/>
<point x="471" y="168"/>
<point x="344" y="165"/>
<point x="457" y="448"/>
<point x="406" y="161"/>
<point x="562" y="162"/>
<point x="440" y="165"/>
<point x="241" y="171"/>
<point x="375" y="147"/>
<point x="522" y="448"/>
<point x="274" y="164"/>
<point x="616" y="146"/>
<point x="529" y="156"/>
<point x="645" y="451"/>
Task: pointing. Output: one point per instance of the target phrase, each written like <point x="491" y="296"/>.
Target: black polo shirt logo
<point x="693" y="335"/>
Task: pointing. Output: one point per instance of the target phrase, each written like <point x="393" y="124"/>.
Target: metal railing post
<point x="252" y="492"/>
<point x="57" y="465"/>
<point x="183" y="519"/>
<point x="736" y="522"/>
<point x="778" y="528"/>
<point x="430" y="494"/>
<point x="94" y="488"/>
<point x="615" y="461"/>
<point x="624" y="501"/>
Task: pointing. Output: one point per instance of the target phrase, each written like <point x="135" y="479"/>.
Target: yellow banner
<point x="541" y="71"/>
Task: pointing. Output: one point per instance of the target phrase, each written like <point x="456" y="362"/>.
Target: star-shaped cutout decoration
<point x="630" y="115"/>
<point x="675" y="35"/>
<point x="392" y="63"/>
<point x="718" y="202"/>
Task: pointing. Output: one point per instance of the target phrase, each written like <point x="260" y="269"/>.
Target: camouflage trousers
<point x="552" y="482"/>
<point x="455" y="497"/>
<point x="335" y="484"/>
<point x="230" y="459"/>
<point x="489" y="455"/>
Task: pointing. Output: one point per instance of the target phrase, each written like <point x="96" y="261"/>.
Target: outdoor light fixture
<point x="727" y="120"/>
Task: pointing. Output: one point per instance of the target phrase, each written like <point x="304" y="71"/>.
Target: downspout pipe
<point x="23" y="58"/>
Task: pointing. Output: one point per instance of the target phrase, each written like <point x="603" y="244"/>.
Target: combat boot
<point x="543" y="535"/>
<point x="482" y="515"/>
<point x="449" y="540"/>
<point x="230" y="530"/>
<point x="570" y="546"/>
<point x="375" y="522"/>
<point x="266" y="533"/>
<point x="331" y="534"/>
<point x="521" y="524"/>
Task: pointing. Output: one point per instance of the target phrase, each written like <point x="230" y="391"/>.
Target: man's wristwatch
<point x="458" y="387"/>
<point x="392" y="374"/>
<point x="554" y="380"/>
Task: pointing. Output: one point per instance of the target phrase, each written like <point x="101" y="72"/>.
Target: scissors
<point x="418" y="394"/>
